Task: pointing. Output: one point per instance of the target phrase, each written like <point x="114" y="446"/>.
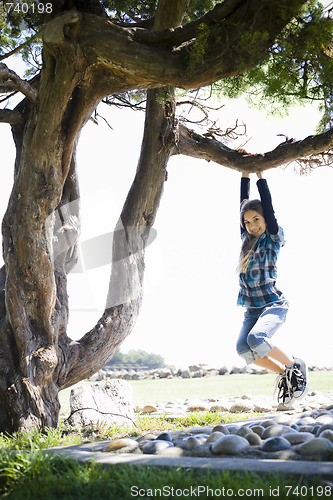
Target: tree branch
<point x="10" y="81"/>
<point x="19" y="47"/>
<point x="198" y="146"/>
<point x="233" y="40"/>
<point x="11" y="117"/>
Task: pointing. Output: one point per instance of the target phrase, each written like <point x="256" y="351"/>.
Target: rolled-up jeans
<point x="259" y="326"/>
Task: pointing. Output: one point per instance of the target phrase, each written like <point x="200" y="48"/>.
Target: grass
<point x="163" y="390"/>
<point x="37" y="476"/>
<point x="64" y="435"/>
<point x="30" y="474"/>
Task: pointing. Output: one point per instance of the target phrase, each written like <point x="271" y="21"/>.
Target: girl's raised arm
<point x="266" y="201"/>
<point x="244" y="192"/>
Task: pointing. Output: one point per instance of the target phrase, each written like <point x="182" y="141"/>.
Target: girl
<point x="266" y="306"/>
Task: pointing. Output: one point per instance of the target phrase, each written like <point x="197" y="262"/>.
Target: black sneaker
<point x="303" y="382"/>
<point x="284" y="390"/>
<point x="296" y="379"/>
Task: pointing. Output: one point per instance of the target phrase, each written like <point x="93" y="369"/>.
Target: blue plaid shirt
<point x="257" y="284"/>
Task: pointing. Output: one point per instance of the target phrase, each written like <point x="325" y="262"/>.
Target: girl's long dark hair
<point x="249" y="241"/>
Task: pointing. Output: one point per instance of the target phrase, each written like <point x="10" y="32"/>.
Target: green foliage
<point x="137" y="358"/>
<point x="299" y="68"/>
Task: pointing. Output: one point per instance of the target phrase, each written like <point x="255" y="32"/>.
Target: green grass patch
<point x="64" y="435"/>
<point x="36" y="476"/>
<point x="163" y="390"/>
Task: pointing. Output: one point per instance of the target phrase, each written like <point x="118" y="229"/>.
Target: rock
<point x="258" y="429"/>
<point x="317" y="447"/>
<point x="267" y="423"/>
<point x="277" y="443"/>
<point x="154" y="446"/>
<point x="124" y="445"/>
<point x="165" y="436"/>
<point x="172" y="451"/>
<point x="197" y="405"/>
<point x="253" y="439"/>
<point x="298" y="437"/>
<point x="105" y="403"/>
<point x="324" y="428"/>
<point x="276" y="430"/>
<point x="235" y="370"/>
<point x="262" y="407"/>
<point x="325" y="419"/>
<point x="145" y="437"/>
<point x="229" y="445"/>
<point x="242" y="406"/>
<point x="327" y="434"/>
<point x="220" y="428"/>
<point x="149" y="409"/>
<point x="164" y="373"/>
<point x="218" y="408"/>
<point x="190" y="443"/>
<point x="214" y="436"/>
<point x="305" y="421"/>
<point x="243" y="431"/>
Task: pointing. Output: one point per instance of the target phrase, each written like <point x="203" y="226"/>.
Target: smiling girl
<point x="266" y="306"/>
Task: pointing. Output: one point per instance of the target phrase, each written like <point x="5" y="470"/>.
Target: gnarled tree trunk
<point x="40" y="230"/>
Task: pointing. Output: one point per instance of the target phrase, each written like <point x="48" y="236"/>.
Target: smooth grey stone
<point x="165" y="436"/>
<point x="243" y="431"/>
<point x="258" y="429"/>
<point x="253" y="439"/>
<point x="233" y="429"/>
<point x="276" y="443"/>
<point x="325" y="419"/>
<point x="151" y="447"/>
<point x="221" y="428"/>
<point x="327" y="434"/>
<point x="298" y="437"/>
<point x="324" y="428"/>
<point x="315" y="447"/>
<point x="229" y="445"/>
<point x="276" y="430"/>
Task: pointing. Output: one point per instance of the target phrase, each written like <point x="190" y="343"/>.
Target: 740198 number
<point x="28" y="8"/>
<point x="304" y="491"/>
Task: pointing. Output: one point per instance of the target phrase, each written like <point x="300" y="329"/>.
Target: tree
<point x="92" y="50"/>
<point x="137" y="359"/>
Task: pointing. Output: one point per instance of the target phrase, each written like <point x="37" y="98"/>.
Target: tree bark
<point x="193" y="144"/>
<point x="132" y="231"/>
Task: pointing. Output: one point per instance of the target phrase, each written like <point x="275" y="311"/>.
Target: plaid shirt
<point x="257" y="284"/>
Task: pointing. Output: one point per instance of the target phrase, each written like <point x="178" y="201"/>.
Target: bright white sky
<point x="189" y="313"/>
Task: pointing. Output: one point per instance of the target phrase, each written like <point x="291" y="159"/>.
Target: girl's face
<point x="254" y="223"/>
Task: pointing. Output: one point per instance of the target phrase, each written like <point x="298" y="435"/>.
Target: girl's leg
<point x="276" y="361"/>
<point x="269" y="321"/>
<point x="242" y="347"/>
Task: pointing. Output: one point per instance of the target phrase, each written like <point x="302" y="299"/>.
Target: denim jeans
<point x="259" y="326"/>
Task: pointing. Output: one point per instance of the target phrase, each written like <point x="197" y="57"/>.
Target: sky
<point x="189" y="313"/>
